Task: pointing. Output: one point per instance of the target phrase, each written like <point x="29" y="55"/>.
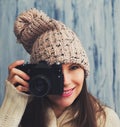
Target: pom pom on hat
<point x="48" y="39"/>
<point x="31" y="24"/>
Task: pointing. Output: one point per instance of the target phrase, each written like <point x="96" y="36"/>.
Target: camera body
<point x="44" y="79"/>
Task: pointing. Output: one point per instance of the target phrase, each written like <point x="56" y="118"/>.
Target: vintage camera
<point x="44" y="79"/>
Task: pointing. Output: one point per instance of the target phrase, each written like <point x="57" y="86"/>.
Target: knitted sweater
<point x="15" y="102"/>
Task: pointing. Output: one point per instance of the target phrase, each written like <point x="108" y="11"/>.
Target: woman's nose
<point x="67" y="78"/>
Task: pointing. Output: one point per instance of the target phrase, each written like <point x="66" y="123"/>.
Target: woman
<point x="49" y="40"/>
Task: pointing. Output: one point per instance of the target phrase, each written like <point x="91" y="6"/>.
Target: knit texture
<point x="48" y="39"/>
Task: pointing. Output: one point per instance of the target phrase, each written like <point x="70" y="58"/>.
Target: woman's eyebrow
<point x="74" y="64"/>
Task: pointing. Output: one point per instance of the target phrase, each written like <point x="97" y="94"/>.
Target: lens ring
<point x="39" y="86"/>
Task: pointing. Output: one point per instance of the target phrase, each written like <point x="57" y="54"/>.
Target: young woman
<point x="49" y="40"/>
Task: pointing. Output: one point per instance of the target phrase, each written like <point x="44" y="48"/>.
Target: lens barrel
<point x="39" y="85"/>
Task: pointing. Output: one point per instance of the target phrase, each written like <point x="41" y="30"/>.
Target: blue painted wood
<point x="97" y="23"/>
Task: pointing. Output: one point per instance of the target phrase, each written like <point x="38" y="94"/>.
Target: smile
<point x="67" y="93"/>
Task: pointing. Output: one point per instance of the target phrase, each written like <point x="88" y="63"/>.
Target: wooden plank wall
<point x="96" y="22"/>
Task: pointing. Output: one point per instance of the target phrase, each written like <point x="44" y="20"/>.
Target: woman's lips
<point x="67" y="93"/>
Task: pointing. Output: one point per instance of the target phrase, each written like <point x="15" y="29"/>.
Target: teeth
<point x="67" y="91"/>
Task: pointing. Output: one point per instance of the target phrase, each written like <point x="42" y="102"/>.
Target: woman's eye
<point x="74" y="67"/>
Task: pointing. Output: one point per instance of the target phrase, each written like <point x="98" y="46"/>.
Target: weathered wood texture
<point x="96" y="22"/>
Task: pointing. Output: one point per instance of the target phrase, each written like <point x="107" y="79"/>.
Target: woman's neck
<point x="58" y="110"/>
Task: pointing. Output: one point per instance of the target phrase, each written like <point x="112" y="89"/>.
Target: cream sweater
<point x="15" y="102"/>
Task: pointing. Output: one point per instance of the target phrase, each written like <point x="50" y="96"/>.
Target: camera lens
<point x="39" y="86"/>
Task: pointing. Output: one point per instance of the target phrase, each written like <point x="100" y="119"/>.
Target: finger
<point x="17" y="80"/>
<point x="15" y="71"/>
<point x="22" y="89"/>
<point x="14" y="64"/>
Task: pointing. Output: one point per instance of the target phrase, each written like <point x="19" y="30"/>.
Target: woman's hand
<point x="17" y="76"/>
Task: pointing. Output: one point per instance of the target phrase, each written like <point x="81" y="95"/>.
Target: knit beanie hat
<point x="50" y="40"/>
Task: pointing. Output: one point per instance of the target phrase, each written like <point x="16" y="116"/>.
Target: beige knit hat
<point x="48" y="39"/>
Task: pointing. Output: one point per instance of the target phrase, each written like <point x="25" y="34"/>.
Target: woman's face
<point x="73" y="83"/>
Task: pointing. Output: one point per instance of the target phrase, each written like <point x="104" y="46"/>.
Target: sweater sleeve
<point x="13" y="106"/>
<point x="112" y="119"/>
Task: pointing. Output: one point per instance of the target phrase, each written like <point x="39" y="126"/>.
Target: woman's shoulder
<point x="112" y="119"/>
